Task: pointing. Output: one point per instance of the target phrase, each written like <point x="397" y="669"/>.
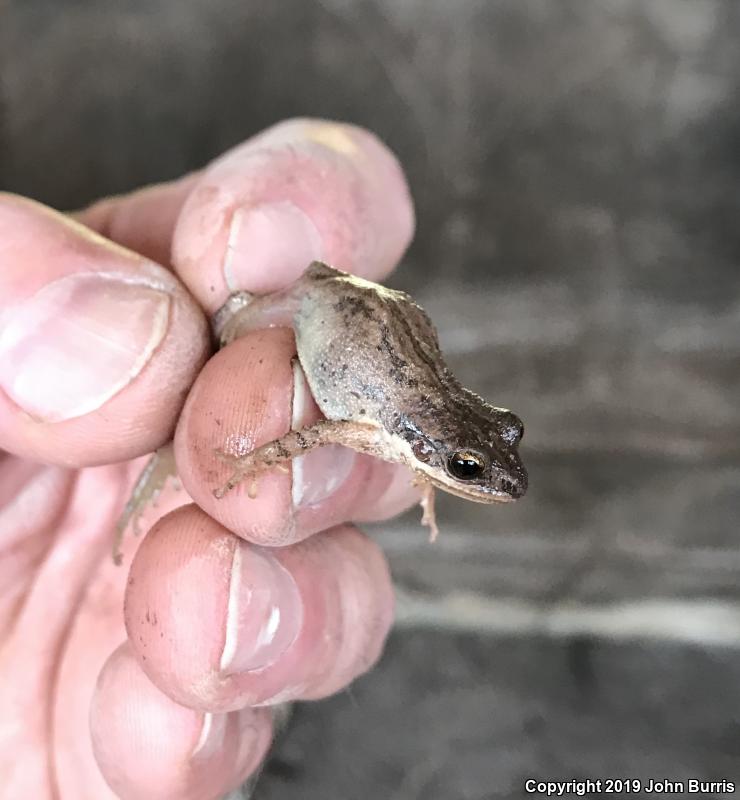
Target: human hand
<point x="103" y="336"/>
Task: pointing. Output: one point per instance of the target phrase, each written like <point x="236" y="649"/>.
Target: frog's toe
<point x="246" y="466"/>
<point x="241" y="473"/>
<point x="226" y="488"/>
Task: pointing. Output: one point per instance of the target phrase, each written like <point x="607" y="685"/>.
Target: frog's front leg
<point x="149" y="484"/>
<point x="428" y="517"/>
<point x="361" y="437"/>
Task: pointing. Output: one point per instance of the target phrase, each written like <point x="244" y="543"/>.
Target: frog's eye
<point x="466" y="465"/>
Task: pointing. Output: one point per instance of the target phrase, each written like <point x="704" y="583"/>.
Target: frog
<point x="372" y="360"/>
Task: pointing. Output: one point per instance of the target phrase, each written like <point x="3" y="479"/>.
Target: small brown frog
<point x="372" y="361"/>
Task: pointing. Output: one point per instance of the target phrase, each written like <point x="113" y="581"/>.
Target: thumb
<point x="98" y="345"/>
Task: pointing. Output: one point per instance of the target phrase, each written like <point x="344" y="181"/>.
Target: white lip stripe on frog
<point x="403" y="448"/>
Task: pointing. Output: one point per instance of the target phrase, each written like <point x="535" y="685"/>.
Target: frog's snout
<point x="513" y="485"/>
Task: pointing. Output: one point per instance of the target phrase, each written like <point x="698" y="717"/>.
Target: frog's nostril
<point x="515" y="488"/>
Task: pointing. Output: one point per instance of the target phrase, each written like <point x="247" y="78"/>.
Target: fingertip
<point x="276" y="624"/>
<point x="149" y="747"/>
<point x="97" y="345"/>
<point x="304" y="189"/>
<point x="241" y="399"/>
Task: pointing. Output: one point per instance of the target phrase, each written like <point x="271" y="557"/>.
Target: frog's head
<point x="475" y="457"/>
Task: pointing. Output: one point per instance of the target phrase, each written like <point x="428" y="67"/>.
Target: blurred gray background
<point x="576" y="171"/>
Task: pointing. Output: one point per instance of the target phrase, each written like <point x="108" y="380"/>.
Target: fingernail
<point x="78" y="341"/>
<point x="320" y="472"/>
<point x="268" y="246"/>
<point x="265" y="611"/>
<point x="332" y="135"/>
<point x="212" y="736"/>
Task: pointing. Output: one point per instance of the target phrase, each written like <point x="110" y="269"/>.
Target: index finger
<point x="302" y="190"/>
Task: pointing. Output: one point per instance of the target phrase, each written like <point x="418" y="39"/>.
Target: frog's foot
<point x="244" y="468"/>
<point x="149" y="484"/>
<point x="428" y="517"/>
<point x="275" y="455"/>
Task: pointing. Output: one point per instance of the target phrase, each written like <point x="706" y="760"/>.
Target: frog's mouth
<point x="471" y="491"/>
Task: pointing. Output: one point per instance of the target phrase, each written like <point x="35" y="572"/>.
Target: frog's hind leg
<point x="359" y="436"/>
<point x="149" y="484"/>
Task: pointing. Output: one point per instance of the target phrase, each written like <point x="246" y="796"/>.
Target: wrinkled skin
<point x="154" y="679"/>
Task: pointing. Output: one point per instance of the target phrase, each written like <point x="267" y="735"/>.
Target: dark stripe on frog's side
<point x="398" y="364"/>
<point x="433" y="361"/>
